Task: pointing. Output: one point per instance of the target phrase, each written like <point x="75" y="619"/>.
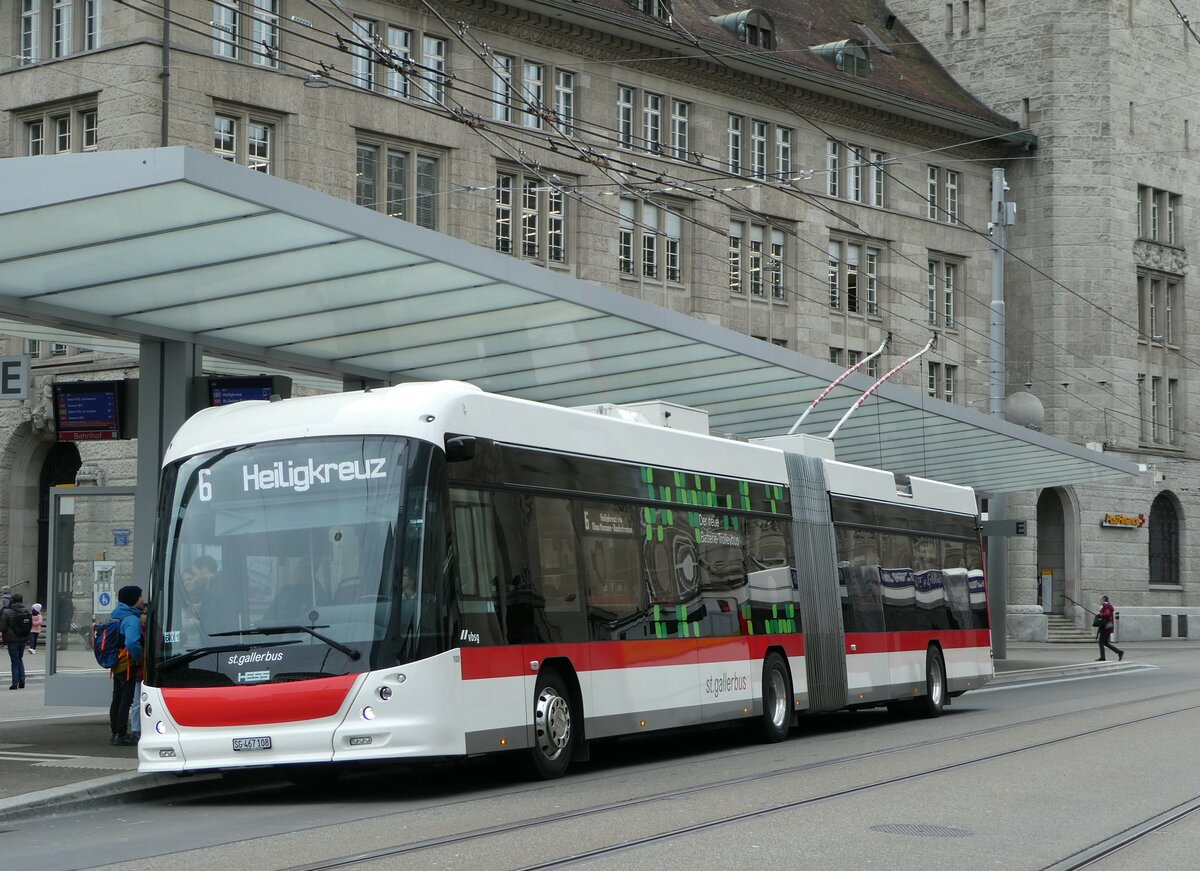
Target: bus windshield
<point x="286" y="561"/>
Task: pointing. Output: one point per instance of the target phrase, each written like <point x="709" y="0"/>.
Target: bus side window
<point x="612" y="571"/>
<point x="859" y="579"/>
<point x="480" y="568"/>
<point x="553" y="600"/>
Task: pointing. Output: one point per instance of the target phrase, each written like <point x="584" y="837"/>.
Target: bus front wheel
<point x="931" y="704"/>
<point x="554" y="732"/>
<point x="777" y="699"/>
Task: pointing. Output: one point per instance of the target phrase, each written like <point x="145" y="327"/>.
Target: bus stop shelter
<point x="177" y="253"/>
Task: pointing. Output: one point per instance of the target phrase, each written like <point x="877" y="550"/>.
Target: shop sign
<point x="1124" y="521"/>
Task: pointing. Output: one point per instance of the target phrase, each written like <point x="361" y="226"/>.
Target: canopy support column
<point x="166" y="370"/>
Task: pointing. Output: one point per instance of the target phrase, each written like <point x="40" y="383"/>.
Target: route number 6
<point x="204" y="487"/>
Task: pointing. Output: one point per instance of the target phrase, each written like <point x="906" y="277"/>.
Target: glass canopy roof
<point x="172" y="244"/>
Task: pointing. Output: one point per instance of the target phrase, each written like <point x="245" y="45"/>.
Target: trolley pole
<point x="1002" y="216"/>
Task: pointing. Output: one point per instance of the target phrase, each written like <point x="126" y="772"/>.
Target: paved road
<point x="1007" y="778"/>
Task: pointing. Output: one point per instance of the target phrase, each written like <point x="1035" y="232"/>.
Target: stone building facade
<point x="811" y="177"/>
<point x="1100" y="321"/>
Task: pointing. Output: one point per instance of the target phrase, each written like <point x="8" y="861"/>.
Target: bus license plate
<point x="251" y="743"/>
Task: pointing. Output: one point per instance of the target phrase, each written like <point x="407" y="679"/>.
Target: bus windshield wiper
<point x="284" y="630"/>
<point x="192" y="655"/>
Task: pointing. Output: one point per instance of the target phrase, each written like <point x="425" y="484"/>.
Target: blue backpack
<point x="108" y="643"/>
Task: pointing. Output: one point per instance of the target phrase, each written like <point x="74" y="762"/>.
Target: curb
<point x="123" y="787"/>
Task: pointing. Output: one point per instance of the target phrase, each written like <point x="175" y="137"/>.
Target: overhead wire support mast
<point x="867" y="359"/>
<point x="849" y="411"/>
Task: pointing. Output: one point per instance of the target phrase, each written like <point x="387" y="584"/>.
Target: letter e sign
<point x="14" y="377"/>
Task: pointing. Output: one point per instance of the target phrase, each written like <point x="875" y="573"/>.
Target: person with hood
<point x="39" y="620"/>
<point x="128" y="670"/>
<point x="15" y="624"/>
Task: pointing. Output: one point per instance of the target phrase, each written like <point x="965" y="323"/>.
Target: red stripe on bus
<point x="900" y="642"/>
<point x="479" y="663"/>
<point x="258" y="704"/>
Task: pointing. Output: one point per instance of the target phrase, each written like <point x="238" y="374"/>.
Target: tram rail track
<point x="633" y="844"/>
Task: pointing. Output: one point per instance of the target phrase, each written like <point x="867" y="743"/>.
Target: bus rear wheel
<point x="554" y="733"/>
<point x="777" y="699"/>
<point x="931" y="704"/>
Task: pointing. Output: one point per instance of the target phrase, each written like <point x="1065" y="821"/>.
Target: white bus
<point x="432" y="571"/>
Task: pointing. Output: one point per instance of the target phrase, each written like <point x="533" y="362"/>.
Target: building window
<point x="33" y="348"/>
<point x="941" y="381"/>
<point x="1164" y="542"/>
<point x="652" y="122"/>
<point x="877" y="176"/>
<point x="1158" y="215"/>
<point x="264" y="33"/>
<point x="832" y="167"/>
<point x="650" y="241"/>
<point x="853" y="277"/>
<point x="539" y="210"/>
<point x="519" y="90"/>
<point x="427" y="66"/>
<point x="783" y="153"/>
<point x="1159" y="298"/>
<point x="756" y="258"/>
<point x="31" y="31"/>
<point x="242" y="138"/>
<point x="680" y="133"/>
<point x="58" y="349"/>
<point x="225" y="28"/>
<point x="758" y="149"/>
<point x="1160" y="423"/>
<point x="1156" y="409"/>
<point x="64" y="26"/>
<point x="640" y="122"/>
<point x="735" y="144"/>
<point x="657" y="8"/>
<point x="942" y="283"/>
<point x="564" y="100"/>
<point x="942" y="195"/>
<point x="60" y="129"/>
<point x="400" y="181"/>
<point x="755" y="160"/>
<point x="851" y="175"/>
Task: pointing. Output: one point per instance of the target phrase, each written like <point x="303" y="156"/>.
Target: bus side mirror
<point x="460" y="448"/>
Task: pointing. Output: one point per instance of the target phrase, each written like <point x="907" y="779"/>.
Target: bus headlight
<point x="160" y="727"/>
<point x="385" y="693"/>
<point x="368" y="713"/>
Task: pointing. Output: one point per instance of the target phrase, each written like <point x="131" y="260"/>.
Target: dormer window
<point x="657" y="8"/>
<point x="850" y="56"/>
<point x="752" y="26"/>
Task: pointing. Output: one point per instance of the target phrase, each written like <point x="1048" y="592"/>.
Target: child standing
<point x="38" y="620"/>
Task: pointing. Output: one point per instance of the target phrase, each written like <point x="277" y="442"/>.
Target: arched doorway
<point x="1056" y="546"/>
<point x="59" y="466"/>
<point x="1164" y="541"/>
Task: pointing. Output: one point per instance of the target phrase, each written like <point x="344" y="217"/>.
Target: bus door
<point x="492" y="669"/>
<point x="864" y="583"/>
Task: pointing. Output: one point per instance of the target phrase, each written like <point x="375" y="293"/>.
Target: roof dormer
<point x="657" y="8"/>
<point x="849" y="55"/>
<point x="752" y="26"/>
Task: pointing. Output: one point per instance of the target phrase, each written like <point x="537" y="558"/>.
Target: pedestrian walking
<point x="128" y="670"/>
<point x="16" y="622"/>
<point x="39" y="620"/>
<point x="1104" y="630"/>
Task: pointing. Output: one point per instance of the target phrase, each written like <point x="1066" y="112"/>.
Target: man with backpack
<point x="16" y="622"/>
<point x="125" y="640"/>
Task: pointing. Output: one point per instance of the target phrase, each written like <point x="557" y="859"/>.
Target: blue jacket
<point x="131" y="628"/>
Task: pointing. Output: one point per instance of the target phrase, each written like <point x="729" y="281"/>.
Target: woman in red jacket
<point x="1105" y="630"/>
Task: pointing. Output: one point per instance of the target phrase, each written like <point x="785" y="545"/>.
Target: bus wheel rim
<point x="936" y="681"/>
<point x="553" y="721"/>
<point x="778" y="700"/>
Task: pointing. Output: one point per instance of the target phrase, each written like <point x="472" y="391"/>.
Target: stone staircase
<point x="1060" y="630"/>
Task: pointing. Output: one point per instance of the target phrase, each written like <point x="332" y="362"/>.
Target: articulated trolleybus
<point x="432" y="571"/>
